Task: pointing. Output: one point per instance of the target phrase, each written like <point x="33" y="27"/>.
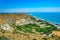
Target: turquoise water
<point x="53" y="17"/>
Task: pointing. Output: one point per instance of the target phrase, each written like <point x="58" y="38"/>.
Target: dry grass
<point x="57" y="33"/>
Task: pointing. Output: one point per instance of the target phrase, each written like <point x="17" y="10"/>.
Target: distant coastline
<point x="52" y="17"/>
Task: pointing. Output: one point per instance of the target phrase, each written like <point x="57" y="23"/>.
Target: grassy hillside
<point x="26" y="27"/>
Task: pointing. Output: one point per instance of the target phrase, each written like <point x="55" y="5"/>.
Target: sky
<point x="29" y="5"/>
<point x="33" y="6"/>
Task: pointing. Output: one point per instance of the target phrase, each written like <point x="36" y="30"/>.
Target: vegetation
<point x="45" y="38"/>
<point x="46" y="30"/>
<point x="0" y="38"/>
<point x="34" y="19"/>
<point x="3" y="38"/>
<point x="29" y="27"/>
<point x="39" y="21"/>
<point x="34" y="39"/>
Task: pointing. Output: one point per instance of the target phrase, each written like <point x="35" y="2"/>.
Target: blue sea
<point x="53" y="17"/>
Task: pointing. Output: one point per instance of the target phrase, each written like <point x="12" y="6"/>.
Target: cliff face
<point x="24" y="25"/>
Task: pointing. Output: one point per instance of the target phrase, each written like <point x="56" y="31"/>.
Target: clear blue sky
<point x="33" y="6"/>
<point x="13" y="4"/>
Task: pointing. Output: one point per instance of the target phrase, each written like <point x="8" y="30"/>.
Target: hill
<point x="25" y="27"/>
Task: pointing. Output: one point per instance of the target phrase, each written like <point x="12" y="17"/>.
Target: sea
<point x="53" y="17"/>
